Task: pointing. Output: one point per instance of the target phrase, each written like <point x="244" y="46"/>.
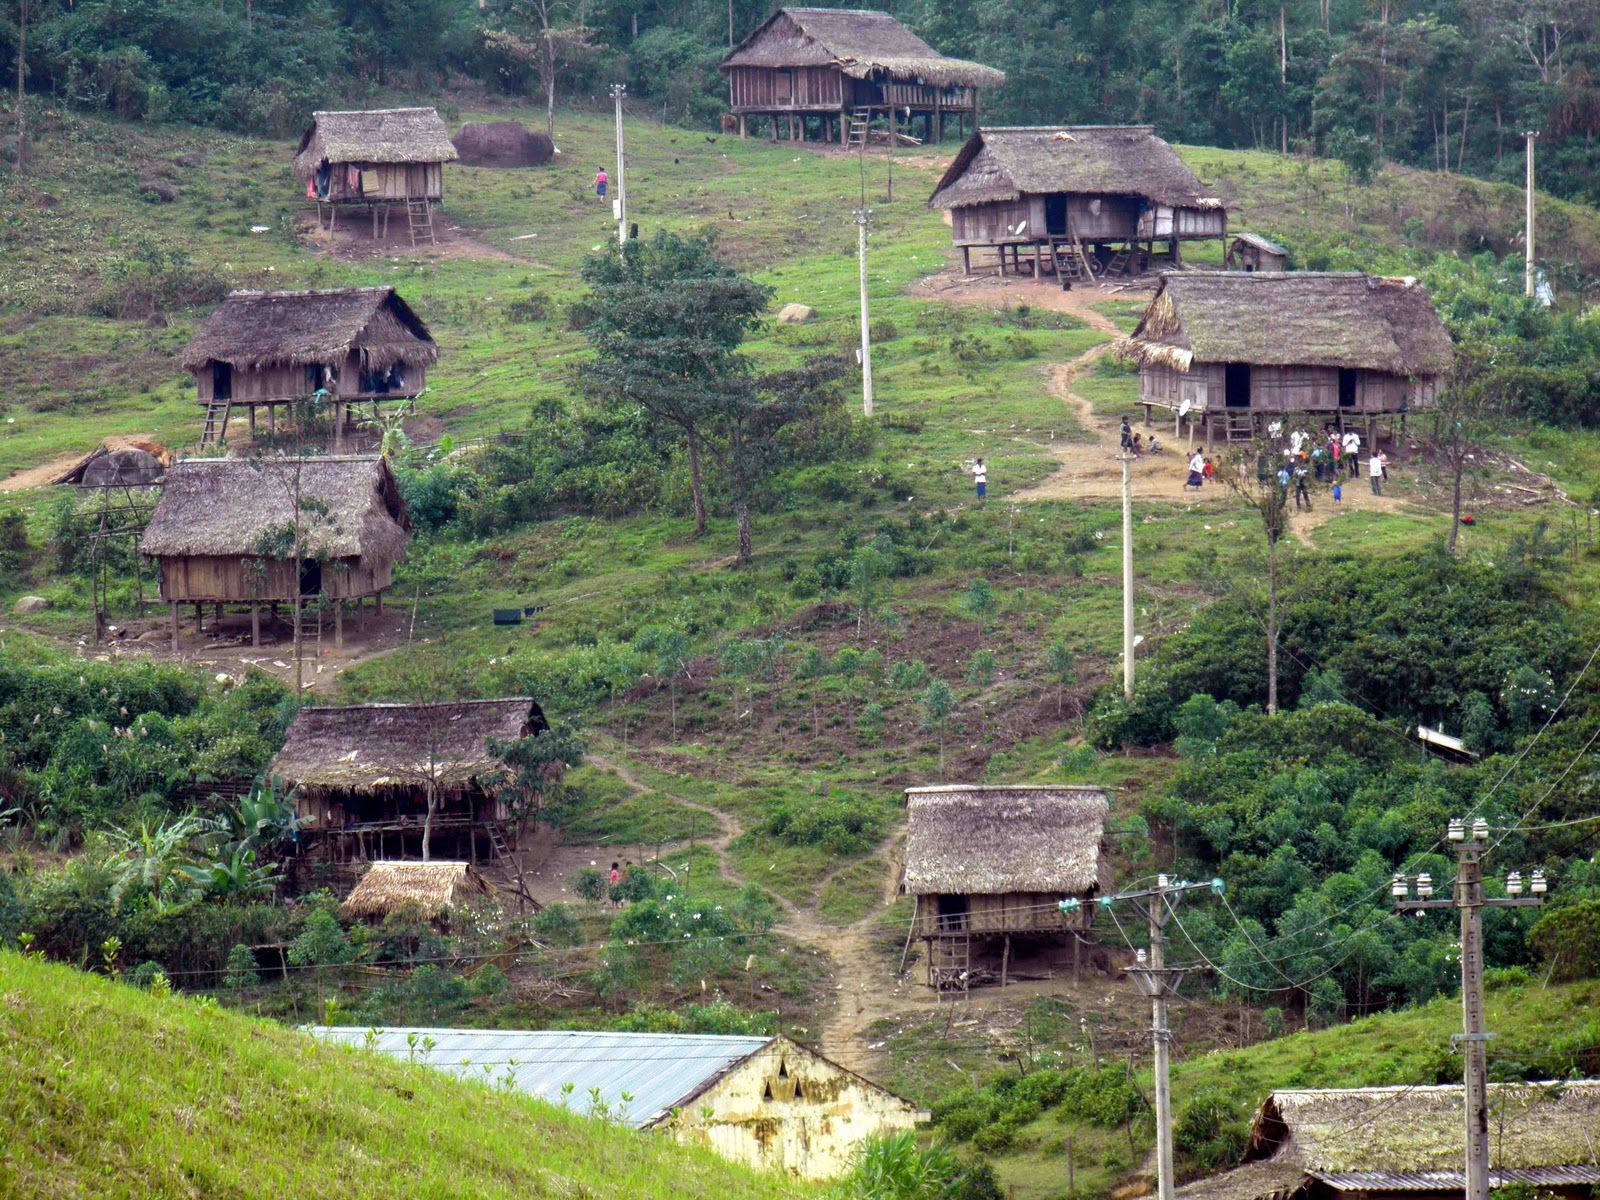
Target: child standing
<point x="601" y="179"/>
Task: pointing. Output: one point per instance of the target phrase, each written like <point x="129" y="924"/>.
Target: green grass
<point x="112" y="1093"/>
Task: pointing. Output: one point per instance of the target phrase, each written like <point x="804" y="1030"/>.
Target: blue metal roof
<point x="659" y="1070"/>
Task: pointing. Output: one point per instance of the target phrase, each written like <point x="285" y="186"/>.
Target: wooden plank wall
<point x="986" y="224"/>
<point x="1014" y="912"/>
<point x="765" y="88"/>
<point x="210" y="578"/>
<point x="1283" y="389"/>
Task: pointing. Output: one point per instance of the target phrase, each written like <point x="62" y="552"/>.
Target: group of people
<point x="1134" y="444"/>
<point x="1307" y="459"/>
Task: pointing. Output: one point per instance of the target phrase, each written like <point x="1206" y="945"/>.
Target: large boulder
<point x="795" y="314"/>
<point x="30" y="604"/>
<point x="502" y="144"/>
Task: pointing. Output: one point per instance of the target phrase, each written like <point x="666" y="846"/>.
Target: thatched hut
<point x="361" y="776"/>
<point x="1389" y="1143"/>
<point x="433" y="889"/>
<point x="1074" y="199"/>
<point x="344" y="347"/>
<point x="380" y="158"/>
<point x="223" y="530"/>
<point x="119" y="463"/>
<point x="988" y="864"/>
<point x="841" y="67"/>
<point x="1233" y="348"/>
<point x="1252" y="252"/>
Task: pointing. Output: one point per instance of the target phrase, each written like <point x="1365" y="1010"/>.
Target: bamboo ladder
<point x="216" y="426"/>
<point x="860" y="122"/>
<point x="419" y="218"/>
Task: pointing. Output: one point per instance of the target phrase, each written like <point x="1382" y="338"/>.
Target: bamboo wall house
<point x="1404" y="1143"/>
<point x="360" y="776"/>
<point x="380" y="159"/>
<point x="338" y="348"/>
<point x="989" y="865"/>
<point x="223" y="534"/>
<point x="837" y="68"/>
<point x="1230" y="349"/>
<point x="1074" y="200"/>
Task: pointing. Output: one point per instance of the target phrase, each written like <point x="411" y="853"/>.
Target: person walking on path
<point x="1338" y="492"/>
<point x="1375" y="471"/>
<point x="1127" y="436"/>
<point x="1197" y="471"/>
<point x="1352" y="450"/>
<point x="980" y="476"/>
<point x="1302" y="495"/>
<point x="601" y="180"/>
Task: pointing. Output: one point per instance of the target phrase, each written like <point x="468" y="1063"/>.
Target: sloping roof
<point x="433" y="887"/>
<point x="1260" y="243"/>
<point x="1292" y="318"/>
<point x="1001" y="164"/>
<point x="660" y="1070"/>
<point x="978" y="840"/>
<point x="360" y="747"/>
<point x="231" y="507"/>
<point x="380" y="135"/>
<point x="1267" y="1180"/>
<point x="860" y="41"/>
<point x="259" y="329"/>
<point x="119" y="462"/>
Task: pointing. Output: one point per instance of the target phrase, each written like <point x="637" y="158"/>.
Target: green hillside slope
<point x="107" y="1091"/>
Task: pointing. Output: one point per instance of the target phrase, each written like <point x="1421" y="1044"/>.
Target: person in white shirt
<point x="980" y="476"/>
<point x="1375" y="471"/>
<point x="1197" y="471"/>
<point x="1352" y="449"/>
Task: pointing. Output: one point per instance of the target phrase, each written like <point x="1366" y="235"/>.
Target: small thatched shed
<point x="361" y="774"/>
<point x="1252" y="252"/>
<point x="833" y="64"/>
<point x="222" y="532"/>
<point x="1384" y="1143"/>
<point x="375" y="156"/>
<point x="434" y="889"/>
<point x="988" y="862"/>
<point x="119" y="463"/>
<point x="1229" y="346"/>
<point x="1062" y="191"/>
<point x="346" y="346"/>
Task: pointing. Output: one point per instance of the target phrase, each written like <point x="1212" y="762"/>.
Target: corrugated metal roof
<point x="659" y="1070"/>
<point x="1453" y="1181"/>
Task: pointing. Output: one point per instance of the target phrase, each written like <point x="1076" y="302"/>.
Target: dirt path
<point x="48" y="472"/>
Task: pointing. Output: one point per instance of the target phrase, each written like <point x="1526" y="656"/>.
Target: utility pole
<point x="1126" y="460"/>
<point x="1155" y="980"/>
<point x="620" y="204"/>
<point x="1529" y="137"/>
<point x="1473" y="1037"/>
<point x="863" y="223"/>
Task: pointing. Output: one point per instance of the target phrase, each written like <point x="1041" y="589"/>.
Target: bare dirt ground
<point x="48" y="472"/>
<point x="352" y="239"/>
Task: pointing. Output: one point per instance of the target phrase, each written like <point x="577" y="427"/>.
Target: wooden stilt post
<point x="1005" y="961"/>
<point x="1077" y="954"/>
<point x="174" y="626"/>
<point x="377" y="603"/>
<point x="338" y="623"/>
<point x="966" y="260"/>
<point x="255" y="623"/>
<point x="197" y="611"/>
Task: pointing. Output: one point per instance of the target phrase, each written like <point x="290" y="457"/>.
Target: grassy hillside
<point x="112" y="1092"/>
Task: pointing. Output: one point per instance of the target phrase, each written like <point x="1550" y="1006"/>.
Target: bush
<point x="839" y="822"/>
<point x="556" y="925"/>
<point x="16" y="552"/>
<point x="1210" y="1130"/>
<point x="1567" y="940"/>
<point x="241" y="969"/>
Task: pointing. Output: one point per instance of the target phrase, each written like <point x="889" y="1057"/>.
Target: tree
<point x="869" y="566"/>
<point x="938" y="702"/>
<point x="533" y="765"/>
<point x="1062" y="665"/>
<point x="666" y="318"/>
<point x="1463" y="419"/>
<point x="549" y="36"/>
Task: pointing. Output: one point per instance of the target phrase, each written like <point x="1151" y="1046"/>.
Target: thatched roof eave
<point x="996" y="840"/>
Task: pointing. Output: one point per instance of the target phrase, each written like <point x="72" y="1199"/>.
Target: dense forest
<point x="1446" y="85"/>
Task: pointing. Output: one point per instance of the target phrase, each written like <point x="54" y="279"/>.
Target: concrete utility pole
<point x="1529" y="136"/>
<point x="863" y="223"/>
<point x="1127" y="575"/>
<point x="620" y="204"/>
<point x="1473" y="1037"/>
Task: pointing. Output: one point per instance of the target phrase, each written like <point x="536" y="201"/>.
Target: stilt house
<point x="222" y="534"/>
<point x="345" y="347"/>
<point x="1404" y="1143"/>
<point x="380" y="159"/>
<point x="1231" y="349"/>
<point x="988" y="867"/>
<point x="838" y="68"/>
<point x="764" y="1101"/>
<point x="1074" y="200"/>
<point x="360" y="776"/>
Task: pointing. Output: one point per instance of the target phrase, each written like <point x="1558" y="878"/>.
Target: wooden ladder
<point x="860" y="121"/>
<point x="950" y="962"/>
<point x="1121" y="261"/>
<point x="216" y="427"/>
<point x="498" y="843"/>
<point x="419" y="217"/>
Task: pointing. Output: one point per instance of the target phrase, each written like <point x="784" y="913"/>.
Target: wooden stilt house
<point x="989" y="866"/>
<point x="1252" y="252"/>
<point x="341" y="348"/>
<point x="835" y="69"/>
<point x="1229" y="350"/>
<point x="223" y="529"/>
<point x="360" y="777"/>
<point x="1075" y="200"/>
<point x="380" y="159"/>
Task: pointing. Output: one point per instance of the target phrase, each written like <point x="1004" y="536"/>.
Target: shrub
<point x="839" y="822"/>
<point x="556" y="925"/>
<point x="487" y="981"/>
<point x="16" y="552"/>
<point x="1567" y="940"/>
<point x="1210" y="1130"/>
<point x="241" y="969"/>
<point x="590" y="884"/>
<point x="528" y="309"/>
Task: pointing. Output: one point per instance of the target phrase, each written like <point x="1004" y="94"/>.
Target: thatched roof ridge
<point x="379" y="135"/>
<point x="364" y="747"/>
<point x="251" y="330"/>
<point x="1292" y="318"/>
<point x="991" y="840"/>
<point x="1407" y="1130"/>
<point x="225" y="507"/>
<point x="1002" y="163"/>
<point x="433" y="887"/>
<point x="861" y="42"/>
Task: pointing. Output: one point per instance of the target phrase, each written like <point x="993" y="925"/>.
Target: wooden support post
<point x="338" y="426"/>
<point x="1038" y="261"/>
<point x="219" y="612"/>
<point x="197" y="609"/>
<point x="377" y="603"/>
<point x="338" y="623"/>
<point x="1005" y="961"/>
<point x="255" y="623"/>
<point x="174" y="626"/>
<point x="1077" y="955"/>
<point x="252" y="421"/>
<point x="272" y="418"/>
<point x="966" y="260"/>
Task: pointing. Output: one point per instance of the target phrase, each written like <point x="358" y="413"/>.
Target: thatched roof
<point x="364" y="747"/>
<point x="1260" y="243"/>
<point x="251" y="330"/>
<point x="351" y="508"/>
<point x="978" y="840"/>
<point x="1292" y="318"/>
<point x="118" y="463"/>
<point x="860" y="42"/>
<point x="1002" y="164"/>
<point x="383" y="135"/>
<point x="433" y="887"/>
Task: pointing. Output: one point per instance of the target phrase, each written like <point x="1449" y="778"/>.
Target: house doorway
<point x="1055" y="214"/>
<point x="1347" y="387"/>
<point x="1236" y="385"/>
<point x="221" y="381"/>
<point x="952" y="912"/>
<point x="310" y="577"/>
